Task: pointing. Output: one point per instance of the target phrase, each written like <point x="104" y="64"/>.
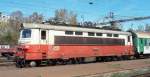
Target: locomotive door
<point x="44" y="37"/>
<point x="43" y="43"/>
<point x="141" y="45"/>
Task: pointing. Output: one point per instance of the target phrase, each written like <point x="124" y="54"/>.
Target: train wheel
<point x="82" y="60"/>
<point x="119" y="58"/>
<point x="52" y="62"/>
<point x="79" y="60"/>
<point x="107" y="59"/>
<point x="69" y="61"/>
<point x="33" y="64"/>
<point x="74" y="61"/>
<point x="20" y="63"/>
<point x="133" y="57"/>
<point x="115" y="58"/>
<point x="125" y="57"/>
<point x="63" y="62"/>
<point x="98" y="59"/>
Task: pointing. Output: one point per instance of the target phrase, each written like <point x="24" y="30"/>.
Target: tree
<point x="88" y="24"/>
<point x="17" y="15"/>
<point x="9" y="31"/>
<point x="62" y="16"/>
<point x="140" y="28"/>
<point x="147" y="28"/>
<point x="3" y="28"/>
<point x="16" y="19"/>
<point x="34" y="18"/>
<point x="7" y="34"/>
<point x="72" y="18"/>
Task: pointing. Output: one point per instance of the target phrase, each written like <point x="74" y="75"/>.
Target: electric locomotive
<point x="51" y="44"/>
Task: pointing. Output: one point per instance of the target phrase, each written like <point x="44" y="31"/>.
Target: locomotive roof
<point x="142" y="34"/>
<point x="70" y="28"/>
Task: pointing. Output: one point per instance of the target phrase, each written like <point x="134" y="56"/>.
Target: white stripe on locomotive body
<point x="69" y="28"/>
<point x="53" y="31"/>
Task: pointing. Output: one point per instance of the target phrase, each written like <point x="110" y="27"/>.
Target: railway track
<point x="5" y="62"/>
<point x="143" y="75"/>
<point x="102" y="74"/>
<point x="116" y="71"/>
<point x="78" y="70"/>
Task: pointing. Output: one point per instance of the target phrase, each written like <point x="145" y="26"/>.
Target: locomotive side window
<point x="69" y="32"/>
<point x="78" y="33"/>
<point x="91" y="34"/>
<point x="116" y="35"/>
<point x="59" y="40"/>
<point x="26" y="33"/>
<point x="109" y="35"/>
<point x="43" y="35"/>
<point x="99" y="34"/>
<point x="129" y="39"/>
<point x="146" y="42"/>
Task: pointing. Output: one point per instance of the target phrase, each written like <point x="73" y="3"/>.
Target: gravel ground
<point x="73" y="70"/>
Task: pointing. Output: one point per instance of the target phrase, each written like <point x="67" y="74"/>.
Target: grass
<point x="126" y="73"/>
<point x="131" y="73"/>
<point x="115" y="65"/>
<point x="120" y="75"/>
<point x="39" y="76"/>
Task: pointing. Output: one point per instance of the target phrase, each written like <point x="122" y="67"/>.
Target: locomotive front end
<point x="23" y="46"/>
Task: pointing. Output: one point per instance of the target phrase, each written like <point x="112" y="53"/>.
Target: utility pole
<point x="111" y="18"/>
<point x="0" y="14"/>
<point x="82" y="17"/>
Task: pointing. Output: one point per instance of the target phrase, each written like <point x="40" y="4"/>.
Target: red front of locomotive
<point x="29" y="47"/>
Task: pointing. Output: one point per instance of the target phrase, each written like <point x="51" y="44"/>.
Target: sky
<point x="85" y="11"/>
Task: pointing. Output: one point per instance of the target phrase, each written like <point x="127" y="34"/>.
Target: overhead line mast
<point x="114" y="22"/>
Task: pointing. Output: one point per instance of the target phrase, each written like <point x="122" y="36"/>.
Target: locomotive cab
<point x="30" y="37"/>
<point x="25" y="39"/>
<point x="25" y="36"/>
<point x="31" y="41"/>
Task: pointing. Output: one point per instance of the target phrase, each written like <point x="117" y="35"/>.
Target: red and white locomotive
<point x="41" y="43"/>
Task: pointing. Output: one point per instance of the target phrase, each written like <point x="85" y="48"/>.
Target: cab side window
<point x="43" y="35"/>
<point x="129" y="40"/>
<point x="149" y="42"/>
<point x="69" y="32"/>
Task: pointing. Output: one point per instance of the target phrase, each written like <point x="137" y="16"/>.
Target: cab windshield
<point x="26" y="33"/>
